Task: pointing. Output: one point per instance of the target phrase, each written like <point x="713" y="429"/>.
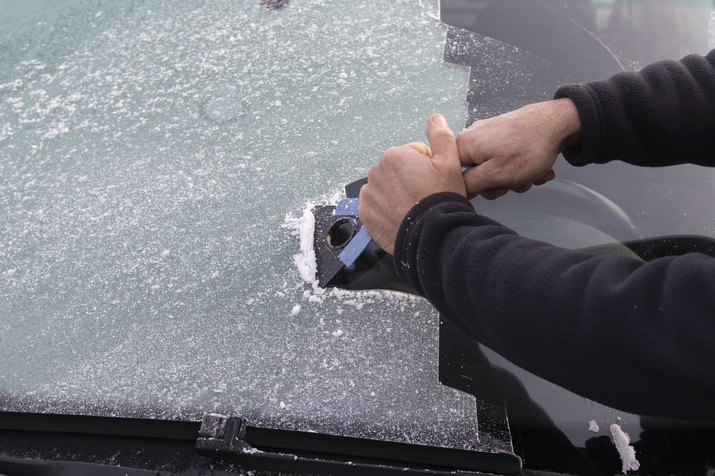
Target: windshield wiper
<point x="50" y="442"/>
<point x="30" y="467"/>
<point x="303" y="452"/>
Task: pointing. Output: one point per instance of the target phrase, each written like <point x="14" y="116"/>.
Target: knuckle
<point x="463" y="143"/>
<point x="391" y="151"/>
<point x="476" y="123"/>
<point x="394" y="155"/>
<point x="363" y="193"/>
<point x="466" y="146"/>
<point x="363" y="210"/>
<point x="468" y="133"/>
<point x="389" y="155"/>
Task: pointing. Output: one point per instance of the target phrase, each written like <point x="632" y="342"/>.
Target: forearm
<point x="662" y="115"/>
<point x="589" y="323"/>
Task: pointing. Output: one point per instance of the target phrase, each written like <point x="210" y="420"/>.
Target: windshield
<point x="519" y="52"/>
<point x="159" y="162"/>
<point x="156" y="159"/>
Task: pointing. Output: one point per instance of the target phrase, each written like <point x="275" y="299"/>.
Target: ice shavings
<point x="627" y="453"/>
<point x="593" y="426"/>
<point x="303" y="227"/>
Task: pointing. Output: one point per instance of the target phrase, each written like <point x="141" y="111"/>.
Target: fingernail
<point x="439" y="120"/>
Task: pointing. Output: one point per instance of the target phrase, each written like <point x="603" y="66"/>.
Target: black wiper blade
<point x="301" y="452"/>
<point x="228" y="440"/>
<point x="31" y="467"/>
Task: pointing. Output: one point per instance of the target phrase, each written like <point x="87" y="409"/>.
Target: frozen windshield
<point x="156" y="160"/>
<point x="158" y="165"/>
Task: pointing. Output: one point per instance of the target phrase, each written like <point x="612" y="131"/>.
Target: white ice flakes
<point x="627" y="453"/>
<point x="593" y="426"/>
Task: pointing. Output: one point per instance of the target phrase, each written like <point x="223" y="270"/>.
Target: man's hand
<point x="518" y="149"/>
<point x="404" y="176"/>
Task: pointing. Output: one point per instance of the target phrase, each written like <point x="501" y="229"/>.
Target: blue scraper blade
<point x="347" y="207"/>
<point x="355" y="248"/>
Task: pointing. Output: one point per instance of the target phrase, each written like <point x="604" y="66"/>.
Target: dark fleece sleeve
<point x="662" y="115"/>
<point x="633" y="335"/>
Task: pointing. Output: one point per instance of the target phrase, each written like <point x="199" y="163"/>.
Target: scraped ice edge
<point x="303" y="227"/>
<point x="627" y="453"/>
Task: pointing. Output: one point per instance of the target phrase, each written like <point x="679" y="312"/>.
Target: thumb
<point x="442" y="141"/>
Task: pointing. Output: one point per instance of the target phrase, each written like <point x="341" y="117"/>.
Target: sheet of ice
<point x="149" y="154"/>
<point x="627" y="453"/>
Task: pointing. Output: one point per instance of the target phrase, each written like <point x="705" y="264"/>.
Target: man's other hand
<point x="518" y="149"/>
<point x="404" y="176"/>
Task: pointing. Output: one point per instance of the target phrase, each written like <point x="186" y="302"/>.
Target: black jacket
<point x="638" y="336"/>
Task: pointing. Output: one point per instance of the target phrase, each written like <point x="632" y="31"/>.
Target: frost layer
<point x="150" y="151"/>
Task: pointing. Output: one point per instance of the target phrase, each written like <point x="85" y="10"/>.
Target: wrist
<point x="568" y="123"/>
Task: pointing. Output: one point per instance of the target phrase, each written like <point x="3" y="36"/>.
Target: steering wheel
<point x="563" y="213"/>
